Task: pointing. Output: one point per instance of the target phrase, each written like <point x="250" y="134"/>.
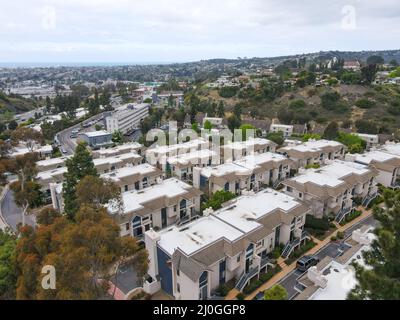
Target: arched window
<point x="226" y="187"/>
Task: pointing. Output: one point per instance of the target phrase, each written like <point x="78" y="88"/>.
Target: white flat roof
<point x="331" y="174"/>
<point x="392" y="148"/>
<point x="45" y="175"/>
<point x="127" y="171"/>
<point x="244" y="210"/>
<point x="127" y="146"/>
<point x="94" y="134"/>
<point x="197" y="235"/>
<point x="133" y="200"/>
<point x="243" y="166"/>
<point x="247" y="144"/>
<point x="377" y="156"/>
<point x="53" y="161"/>
<point x="341" y="278"/>
<point x="195" y="157"/>
<point x="313" y="145"/>
<point x="176" y="147"/>
<point x="21" y="150"/>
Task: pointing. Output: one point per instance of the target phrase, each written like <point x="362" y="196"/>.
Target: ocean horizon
<point x="78" y="64"/>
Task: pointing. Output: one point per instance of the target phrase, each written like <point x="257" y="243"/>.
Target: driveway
<point x="12" y="214"/>
<point x="332" y="249"/>
<point x="127" y="279"/>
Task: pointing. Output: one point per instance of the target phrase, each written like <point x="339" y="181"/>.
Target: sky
<point x="144" y="31"/>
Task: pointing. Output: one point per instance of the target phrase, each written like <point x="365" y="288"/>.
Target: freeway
<point x="22" y="117"/>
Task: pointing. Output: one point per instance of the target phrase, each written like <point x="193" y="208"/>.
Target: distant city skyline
<point x="159" y="31"/>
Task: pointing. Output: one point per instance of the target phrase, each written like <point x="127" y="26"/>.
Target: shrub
<point x="333" y="238"/>
<point x="223" y="290"/>
<point x="365" y="103"/>
<point x="340" y="235"/>
<point x="228" y="92"/>
<point x="317" y="224"/>
<point x="240" y="296"/>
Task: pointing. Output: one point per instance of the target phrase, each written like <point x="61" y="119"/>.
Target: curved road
<point x="12" y="214"/>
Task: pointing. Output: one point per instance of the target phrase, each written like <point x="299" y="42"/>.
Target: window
<point x="300" y="195"/>
<point x="289" y="189"/>
<point x="126" y="188"/>
<point x="127" y="226"/>
<point x="238" y="259"/>
<point x="178" y="287"/>
<point x="177" y="272"/>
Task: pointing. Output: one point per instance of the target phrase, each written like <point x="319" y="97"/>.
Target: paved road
<point x="65" y="140"/>
<point x="12" y="214"/>
<point x="27" y="115"/>
<point x="333" y="249"/>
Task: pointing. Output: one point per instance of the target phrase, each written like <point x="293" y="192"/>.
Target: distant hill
<point x="15" y="104"/>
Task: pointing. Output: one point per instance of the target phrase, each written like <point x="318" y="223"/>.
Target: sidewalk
<point x="288" y="269"/>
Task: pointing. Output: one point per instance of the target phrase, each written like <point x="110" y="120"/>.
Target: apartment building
<point x="251" y="173"/>
<point x="237" y="150"/>
<point x="137" y="177"/>
<point x="164" y="204"/>
<point x="372" y="140"/>
<point x="313" y="152"/>
<point x="287" y="130"/>
<point x="158" y="155"/>
<point x="181" y="166"/>
<point x="118" y="150"/>
<point x="43" y="152"/>
<point x="126" y="118"/>
<point x="388" y="166"/>
<point x="103" y="165"/>
<point x="335" y="188"/>
<point x="233" y="243"/>
<point x="51" y="164"/>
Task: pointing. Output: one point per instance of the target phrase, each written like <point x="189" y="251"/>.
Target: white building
<point x="313" y="152"/>
<point x="287" y="130"/>
<point x="237" y="150"/>
<point x="191" y="262"/>
<point x="164" y="204"/>
<point x="372" y="140"/>
<point x="334" y="188"/>
<point x="127" y="118"/>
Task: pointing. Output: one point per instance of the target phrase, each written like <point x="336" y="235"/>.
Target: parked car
<point x="306" y="262"/>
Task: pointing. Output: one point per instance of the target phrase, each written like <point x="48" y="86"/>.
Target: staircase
<point x="289" y="248"/>
<point x="245" y="278"/>
<point x="342" y="213"/>
<point x="368" y="200"/>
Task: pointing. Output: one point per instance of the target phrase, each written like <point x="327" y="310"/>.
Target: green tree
<point x="207" y="125"/>
<point x="233" y="122"/>
<point x="276" y="137"/>
<point x="277" y="292"/>
<point x="246" y="129"/>
<point x="8" y="273"/>
<point x="374" y="60"/>
<point x="353" y="142"/>
<point x="117" y="137"/>
<point x="221" y="109"/>
<point x="78" y="167"/>
<point x="368" y="73"/>
<point x="217" y="199"/>
<point x="380" y="279"/>
<point x="331" y="131"/>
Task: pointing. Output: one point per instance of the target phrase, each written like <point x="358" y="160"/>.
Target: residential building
<point x="237" y="150"/>
<point x="126" y="118"/>
<point x="103" y="165"/>
<point x="352" y="65"/>
<point x="96" y="139"/>
<point x="51" y="164"/>
<point x="43" y="152"/>
<point x="216" y="122"/>
<point x="372" y="140"/>
<point x="388" y="166"/>
<point x="251" y="173"/>
<point x="181" y="166"/>
<point x="313" y="152"/>
<point x="159" y="206"/>
<point x="335" y="188"/>
<point x="158" y="155"/>
<point x="287" y="130"/>
<point x="137" y="177"/>
<point x="118" y="150"/>
<point x="231" y="244"/>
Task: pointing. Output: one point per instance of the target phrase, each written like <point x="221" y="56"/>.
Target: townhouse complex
<point x="194" y="250"/>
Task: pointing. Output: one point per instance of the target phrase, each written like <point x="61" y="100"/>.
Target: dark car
<point x="306" y="262"/>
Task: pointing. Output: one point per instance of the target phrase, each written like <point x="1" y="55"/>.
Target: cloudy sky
<point x="188" y="30"/>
